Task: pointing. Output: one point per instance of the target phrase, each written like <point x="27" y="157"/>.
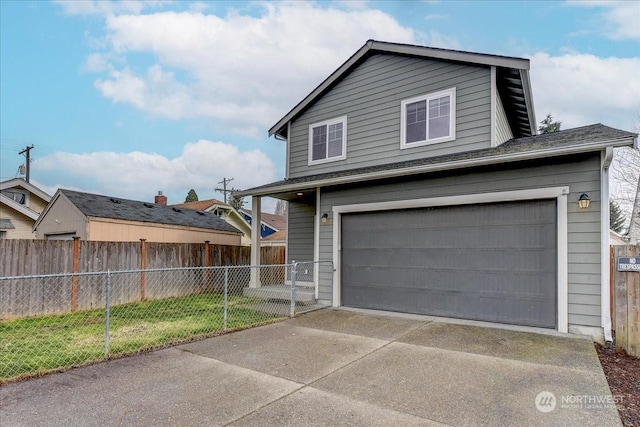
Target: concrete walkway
<point x="332" y="367"/>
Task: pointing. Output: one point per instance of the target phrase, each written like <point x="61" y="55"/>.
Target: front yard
<point x="36" y="345"/>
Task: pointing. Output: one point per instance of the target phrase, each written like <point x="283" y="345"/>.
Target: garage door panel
<point x="500" y="266"/>
<point x="457" y="259"/>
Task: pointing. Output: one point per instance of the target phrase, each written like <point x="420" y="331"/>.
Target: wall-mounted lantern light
<point x="583" y="201"/>
<point x="325" y="217"/>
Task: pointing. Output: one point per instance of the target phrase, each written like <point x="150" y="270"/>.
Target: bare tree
<point x="281" y="207"/>
<point x="625" y="181"/>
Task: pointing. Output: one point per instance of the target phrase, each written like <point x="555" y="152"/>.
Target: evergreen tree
<point x="191" y="196"/>
<point x="548" y="125"/>
<point x="616" y="217"/>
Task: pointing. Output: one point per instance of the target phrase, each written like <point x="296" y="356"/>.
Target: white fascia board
<point x="19" y="182"/>
<point x="18" y="207"/>
<point x="401" y="49"/>
<point x="528" y="98"/>
<point x="458" y="164"/>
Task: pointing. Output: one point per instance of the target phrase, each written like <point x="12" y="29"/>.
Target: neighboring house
<point x="269" y="223"/>
<point x="419" y="173"/>
<point x="20" y="205"/>
<point x="225" y="212"/>
<point x="102" y="218"/>
<point x="279" y="238"/>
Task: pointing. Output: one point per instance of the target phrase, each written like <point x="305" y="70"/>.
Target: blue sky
<point x="126" y="99"/>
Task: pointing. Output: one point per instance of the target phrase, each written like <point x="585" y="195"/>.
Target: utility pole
<point x="224" y="190"/>
<point x="27" y="155"/>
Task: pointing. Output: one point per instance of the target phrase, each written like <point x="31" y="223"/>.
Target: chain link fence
<point x="54" y="322"/>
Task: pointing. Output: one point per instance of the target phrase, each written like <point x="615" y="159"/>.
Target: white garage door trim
<point x="560" y="193"/>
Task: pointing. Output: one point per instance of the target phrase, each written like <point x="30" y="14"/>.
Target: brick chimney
<point x="160" y="199"/>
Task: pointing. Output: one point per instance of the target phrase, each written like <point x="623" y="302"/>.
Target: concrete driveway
<point x="332" y="367"/>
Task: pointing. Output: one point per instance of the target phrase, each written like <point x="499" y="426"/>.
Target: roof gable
<point x="512" y="78"/>
<point x="19" y="182"/>
<point x="18" y="207"/>
<point x="273" y="221"/>
<point x="98" y="206"/>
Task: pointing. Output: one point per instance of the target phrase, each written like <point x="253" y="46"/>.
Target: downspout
<point x="605" y="299"/>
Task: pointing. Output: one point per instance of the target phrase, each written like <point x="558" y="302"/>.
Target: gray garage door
<point x="494" y="262"/>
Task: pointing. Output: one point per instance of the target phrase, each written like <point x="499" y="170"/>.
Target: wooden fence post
<point x="207" y="263"/>
<point x="74" y="278"/>
<point x="143" y="266"/>
<point x="627" y="303"/>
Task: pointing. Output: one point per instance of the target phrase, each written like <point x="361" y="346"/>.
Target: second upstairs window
<point x="428" y="119"/>
<point x="327" y="141"/>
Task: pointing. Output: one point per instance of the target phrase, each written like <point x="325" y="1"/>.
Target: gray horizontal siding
<point x="370" y="97"/>
<point x="581" y="174"/>
<point x="503" y="130"/>
<point x="300" y="231"/>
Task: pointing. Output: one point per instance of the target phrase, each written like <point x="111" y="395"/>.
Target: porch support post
<point x="256" y="202"/>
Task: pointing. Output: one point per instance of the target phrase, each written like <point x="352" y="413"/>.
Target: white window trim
<point x="451" y="92"/>
<point x="342" y="120"/>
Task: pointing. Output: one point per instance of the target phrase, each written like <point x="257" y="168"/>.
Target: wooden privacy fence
<point x="74" y="282"/>
<point x="625" y="297"/>
<point x="37" y="257"/>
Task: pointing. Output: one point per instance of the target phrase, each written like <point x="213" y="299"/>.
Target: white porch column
<point x="256" y="208"/>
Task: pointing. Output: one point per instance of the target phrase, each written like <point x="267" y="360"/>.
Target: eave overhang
<point x="272" y="190"/>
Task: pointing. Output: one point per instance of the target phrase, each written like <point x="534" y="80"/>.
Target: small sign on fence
<point x="628" y="264"/>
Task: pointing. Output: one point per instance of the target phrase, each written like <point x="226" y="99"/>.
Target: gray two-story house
<point x="419" y="173"/>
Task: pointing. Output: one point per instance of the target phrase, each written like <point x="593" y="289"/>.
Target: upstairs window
<point x="327" y="141"/>
<point x="428" y="119"/>
<point x="16" y="196"/>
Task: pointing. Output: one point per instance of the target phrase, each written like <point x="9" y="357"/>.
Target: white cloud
<point x="107" y="7"/>
<point x="581" y="89"/>
<point x="243" y="71"/>
<point x="619" y="20"/>
<point x="138" y="175"/>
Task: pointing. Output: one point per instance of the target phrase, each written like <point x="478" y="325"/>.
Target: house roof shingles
<point x="201" y="205"/>
<point x="278" y="222"/>
<point x="549" y="141"/>
<point x="94" y="205"/>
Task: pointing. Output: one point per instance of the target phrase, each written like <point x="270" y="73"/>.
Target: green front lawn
<point x="35" y="345"/>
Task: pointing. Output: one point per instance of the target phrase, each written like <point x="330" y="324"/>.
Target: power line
<point x="27" y="155"/>
<point x="224" y="190"/>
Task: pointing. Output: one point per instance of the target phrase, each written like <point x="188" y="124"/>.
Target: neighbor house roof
<point x="32" y="189"/>
<point x="277" y="222"/>
<point x="512" y="79"/>
<point x="280" y="235"/>
<point x="19" y="182"/>
<point x="566" y="142"/>
<point x="6" y="224"/>
<point x="202" y="205"/>
<point x="97" y="206"/>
